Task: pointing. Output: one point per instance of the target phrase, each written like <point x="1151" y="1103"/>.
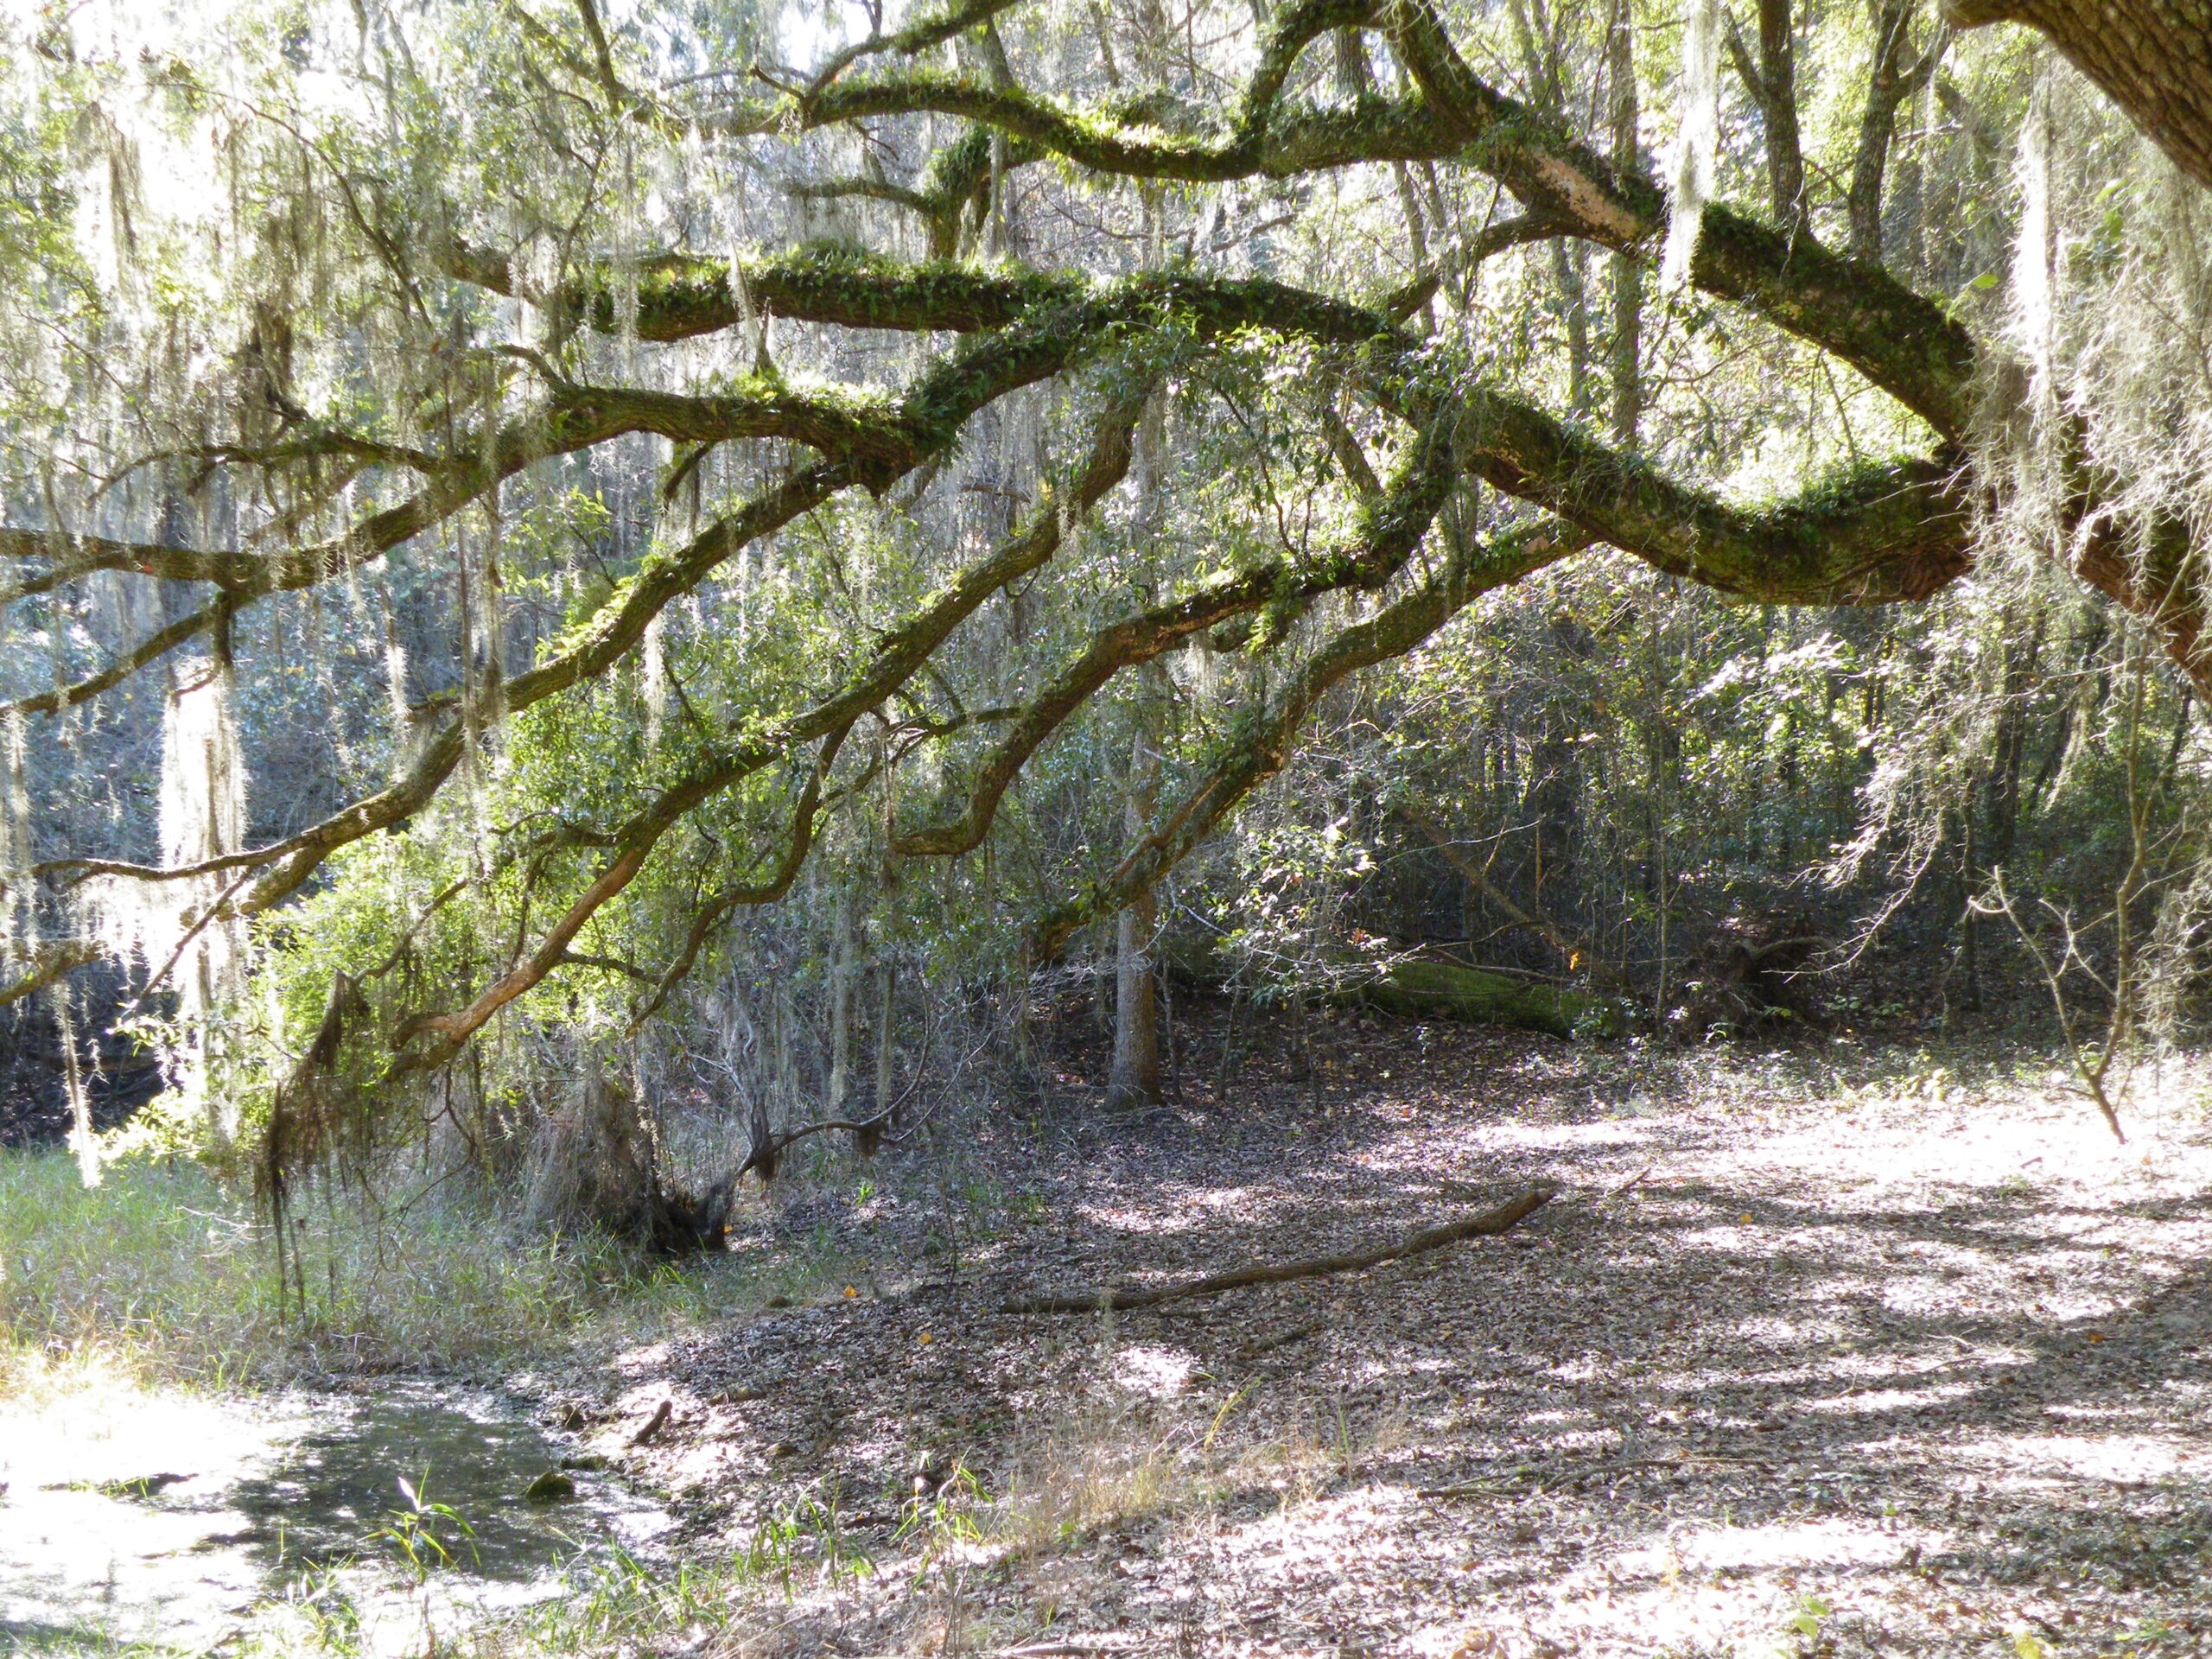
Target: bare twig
<point x="2091" y="1073"/>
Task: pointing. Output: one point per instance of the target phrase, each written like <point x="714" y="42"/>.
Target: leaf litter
<point x="1828" y="1350"/>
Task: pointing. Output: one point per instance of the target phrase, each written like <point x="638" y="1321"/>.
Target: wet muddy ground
<point x="169" y="1518"/>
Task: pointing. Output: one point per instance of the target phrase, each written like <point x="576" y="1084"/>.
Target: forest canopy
<point x="693" y="530"/>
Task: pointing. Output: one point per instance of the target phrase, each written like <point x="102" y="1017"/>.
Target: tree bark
<point x="1135" y="1079"/>
<point x="841" y="1000"/>
<point x="1627" y="272"/>
<point x="887" y="1037"/>
<point x="2153" y="58"/>
<point x="1772" y="82"/>
<point x="1895" y="76"/>
<point x="1778" y="96"/>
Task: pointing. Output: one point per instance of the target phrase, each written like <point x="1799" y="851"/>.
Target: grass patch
<point x="162" y="1274"/>
<point x="1096" y="1466"/>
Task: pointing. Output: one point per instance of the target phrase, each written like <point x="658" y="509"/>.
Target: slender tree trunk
<point x="786" y="1052"/>
<point x="1777" y="100"/>
<point x="1969" y="933"/>
<point x="1023" y="1019"/>
<point x="1575" y="304"/>
<point x="1348" y="53"/>
<point x="1106" y="58"/>
<point x="887" y="1031"/>
<point x="1135" y="1079"/>
<point x="1540" y="62"/>
<point x="2023" y="666"/>
<point x="840" y="1000"/>
<point x="1627" y="273"/>
<point x="1101" y="984"/>
<point x="1417" y="233"/>
<point x="1895" y="76"/>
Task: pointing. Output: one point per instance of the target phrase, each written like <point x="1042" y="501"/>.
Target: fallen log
<point x="1484" y="1224"/>
<point x="1444" y="990"/>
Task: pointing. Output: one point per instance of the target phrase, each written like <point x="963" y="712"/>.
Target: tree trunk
<point x="1353" y="82"/>
<point x="2152" y="58"/>
<point x="1777" y="97"/>
<point x="1416" y="235"/>
<point x="887" y="1029"/>
<point x="840" y="1000"/>
<point x="1540" y="62"/>
<point x="1135" y="1081"/>
<point x="1627" y="273"/>
<point x="1896" y="76"/>
<point x="1574" y="309"/>
<point x="1431" y="990"/>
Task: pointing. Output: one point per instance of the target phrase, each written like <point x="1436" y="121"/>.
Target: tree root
<point x="1483" y="1225"/>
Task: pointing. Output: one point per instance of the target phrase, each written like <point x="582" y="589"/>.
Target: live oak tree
<point x="2153" y="59"/>
<point x="647" y="476"/>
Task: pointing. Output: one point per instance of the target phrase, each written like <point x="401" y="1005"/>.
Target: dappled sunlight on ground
<point x="1811" y="1355"/>
<point x="1822" y="1354"/>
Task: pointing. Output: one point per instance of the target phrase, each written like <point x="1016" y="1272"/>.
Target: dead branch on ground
<point x="1482" y="1225"/>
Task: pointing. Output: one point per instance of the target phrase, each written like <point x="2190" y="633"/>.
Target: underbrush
<point x="162" y="1274"/>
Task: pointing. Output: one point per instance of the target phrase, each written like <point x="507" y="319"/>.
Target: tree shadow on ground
<point x="1720" y="1369"/>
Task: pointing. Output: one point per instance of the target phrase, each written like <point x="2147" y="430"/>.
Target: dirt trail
<point x="1790" y="1366"/>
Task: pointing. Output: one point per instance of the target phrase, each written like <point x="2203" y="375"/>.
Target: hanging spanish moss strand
<point x="82" y="1140"/>
<point x="1697" y="135"/>
<point x="203" y="818"/>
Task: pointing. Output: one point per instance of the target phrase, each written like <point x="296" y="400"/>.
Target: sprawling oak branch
<point x="2153" y="58"/>
<point x="1390" y="529"/>
<point x="923" y="424"/>
<point x="572" y="418"/>
<point x="1901" y="341"/>
<point x="1262" y="746"/>
<point x="1871" y="535"/>
<point x="1899" y="534"/>
<point x="682" y="296"/>
<point x="899" y="657"/>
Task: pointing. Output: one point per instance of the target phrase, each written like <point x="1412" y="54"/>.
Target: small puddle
<point x="168" y="1519"/>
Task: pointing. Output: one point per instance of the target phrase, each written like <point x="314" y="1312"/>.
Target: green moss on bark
<point x="1439" y="991"/>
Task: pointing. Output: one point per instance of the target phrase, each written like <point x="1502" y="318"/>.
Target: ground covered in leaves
<point x="1826" y="1350"/>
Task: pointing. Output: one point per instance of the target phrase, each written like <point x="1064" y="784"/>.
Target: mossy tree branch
<point x="1262" y="746"/>
<point x="1895" y="533"/>
<point x="1391" y="528"/>
<point x="899" y="655"/>
<point x="1901" y="341"/>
